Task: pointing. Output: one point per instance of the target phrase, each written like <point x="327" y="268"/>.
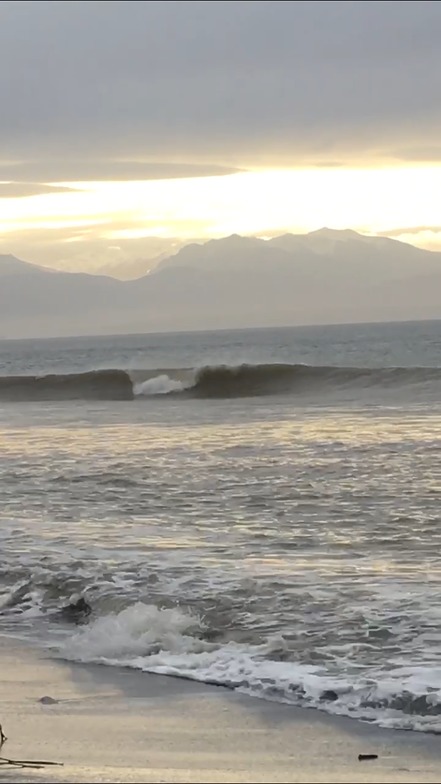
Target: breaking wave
<point x="159" y="385"/>
<point x="261" y="380"/>
<point x="215" y="381"/>
<point x="166" y="638"/>
<point x="172" y="642"/>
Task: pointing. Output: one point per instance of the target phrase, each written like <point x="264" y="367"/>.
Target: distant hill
<point x="226" y="254"/>
<point x="10" y="266"/>
<point x="127" y="259"/>
<point x="37" y="301"/>
<point x="324" y="277"/>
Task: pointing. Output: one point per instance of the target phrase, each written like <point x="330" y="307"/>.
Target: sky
<point x="125" y="122"/>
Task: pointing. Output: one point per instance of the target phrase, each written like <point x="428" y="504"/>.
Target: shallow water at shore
<point x="284" y="543"/>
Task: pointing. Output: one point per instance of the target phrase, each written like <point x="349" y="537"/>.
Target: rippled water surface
<point x="284" y="544"/>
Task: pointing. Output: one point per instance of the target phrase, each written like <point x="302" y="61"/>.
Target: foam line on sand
<point x="112" y="725"/>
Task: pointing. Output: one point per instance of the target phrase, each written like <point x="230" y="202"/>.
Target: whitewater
<point x="255" y="509"/>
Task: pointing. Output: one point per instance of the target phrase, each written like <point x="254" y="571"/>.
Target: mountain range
<point x="129" y="259"/>
<point x="326" y="276"/>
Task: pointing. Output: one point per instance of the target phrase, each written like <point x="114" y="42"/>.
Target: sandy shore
<point x="115" y="725"/>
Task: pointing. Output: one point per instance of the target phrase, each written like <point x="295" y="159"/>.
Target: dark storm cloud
<point x="218" y="83"/>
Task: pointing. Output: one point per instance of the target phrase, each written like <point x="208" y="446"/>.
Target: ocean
<point x="258" y="509"/>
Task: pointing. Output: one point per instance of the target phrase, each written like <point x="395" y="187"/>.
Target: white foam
<point x="163" y="641"/>
<point x="169" y="642"/>
<point x="138" y="630"/>
<point x="159" y="385"/>
<point x="6" y="598"/>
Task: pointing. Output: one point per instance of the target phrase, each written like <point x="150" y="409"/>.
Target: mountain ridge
<point x="326" y="276"/>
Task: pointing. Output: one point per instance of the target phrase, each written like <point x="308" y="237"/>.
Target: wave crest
<point x="229" y="381"/>
<point x="212" y="381"/>
<point x="91" y="385"/>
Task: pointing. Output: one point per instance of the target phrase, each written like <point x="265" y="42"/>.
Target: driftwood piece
<point x="21" y="763"/>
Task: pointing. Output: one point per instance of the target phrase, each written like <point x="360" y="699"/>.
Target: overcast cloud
<point x="215" y="84"/>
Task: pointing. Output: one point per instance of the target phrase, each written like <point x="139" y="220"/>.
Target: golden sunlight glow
<point x="369" y="200"/>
